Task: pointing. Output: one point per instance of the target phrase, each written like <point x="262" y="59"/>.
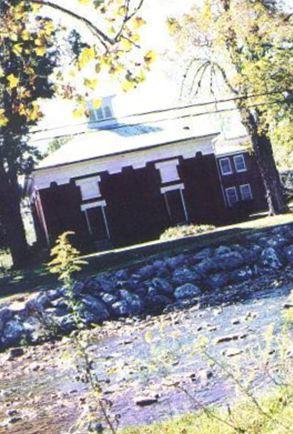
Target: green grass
<point x="244" y="416"/>
<point x="37" y="277"/>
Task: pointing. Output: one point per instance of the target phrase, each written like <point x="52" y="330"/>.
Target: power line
<point x="165" y="110"/>
<point x="117" y="127"/>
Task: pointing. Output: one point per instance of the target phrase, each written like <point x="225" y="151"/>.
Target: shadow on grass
<point x="38" y="277"/>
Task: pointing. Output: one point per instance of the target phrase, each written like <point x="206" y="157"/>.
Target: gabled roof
<point x="119" y="138"/>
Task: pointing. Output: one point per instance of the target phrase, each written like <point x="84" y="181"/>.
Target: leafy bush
<point x="185" y="231"/>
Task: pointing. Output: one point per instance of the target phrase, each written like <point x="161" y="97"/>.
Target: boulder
<point x="175" y="262"/>
<point x="187" y="291"/>
<point x="217" y="280"/>
<point x="271" y="258"/>
<point x="162" y="285"/>
<point x="289" y="254"/>
<point x="157" y="303"/>
<point x="107" y="298"/>
<point x="202" y="254"/>
<point x="229" y="261"/>
<point x="206" y="266"/>
<point x="185" y="275"/>
<point x="223" y="250"/>
<point x="13" y="333"/>
<point x="146" y="272"/>
<point x="241" y="275"/>
<point x="97" y="307"/>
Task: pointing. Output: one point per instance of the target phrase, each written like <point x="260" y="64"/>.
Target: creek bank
<point x="190" y="278"/>
<point x="42" y="392"/>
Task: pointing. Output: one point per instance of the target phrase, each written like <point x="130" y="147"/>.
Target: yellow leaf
<point x="150" y="57"/>
<point x="91" y="83"/>
<point x="40" y="51"/>
<point x="138" y="22"/>
<point x="17" y="49"/>
<point x="97" y="104"/>
<point x="85" y="2"/>
<point x="13" y="81"/>
<point x="26" y="35"/>
<point x="3" y="118"/>
<point x="78" y="112"/>
<point x="86" y="56"/>
<point x="1" y="73"/>
<point x="35" y="8"/>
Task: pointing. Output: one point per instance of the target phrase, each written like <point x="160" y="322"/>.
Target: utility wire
<point x="117" y="127"/>
<point x="165" y="110"/>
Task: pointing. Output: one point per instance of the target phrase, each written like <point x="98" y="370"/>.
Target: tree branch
<point x="102" y="35"/>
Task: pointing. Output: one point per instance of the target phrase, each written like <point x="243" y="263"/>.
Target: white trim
<point x="241" y="191"/>
<point x="227" y="196"/>
<point x="106" y="221"/>
<point x="114" y="163"/>
<point x="168" y="170"/>
<point x="221" y="167"/>
<point x="97" y="204"/>
<point x="172" y="187"/>
<point x="184" y="205"/>
<point x="45" y="227"/>
<point x="89" y="187"/>
<point x="88" y="221"/>
<point x="244" y="163"/>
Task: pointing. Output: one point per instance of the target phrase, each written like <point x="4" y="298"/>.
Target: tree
<point x="246" y="43"/>
<point x="32" y="48"/>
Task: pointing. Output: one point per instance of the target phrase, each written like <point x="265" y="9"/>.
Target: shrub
<point x="185" y="231"/>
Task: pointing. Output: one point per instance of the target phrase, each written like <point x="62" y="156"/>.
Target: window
<point x="239" y="162"/>
<point x="168" y="170"/>
<point x="225" y="165"/>
<point x="103" y="112"/>
<point x="245" y="192"/>
<point x="231" y="195"/>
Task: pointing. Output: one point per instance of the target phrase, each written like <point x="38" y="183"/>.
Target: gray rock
<point x="146" y="272"/>
<point x="223" y="250"/>
<point x="157" y="303"/>
<point x="162" y="285"/>
<point x="14" y="353"/>
<point x="289" y="254"/>
<point x="187" y="291"/>
<point x="96" y="307"/>
<point x="185" y="275"/>
<point x="175" y="262"/>
<point x="131" y="304"/>
<point x="217" y="280"/>
<point x="241" y="275"/>
<point x="121" y="275"/>
<point x="202" y="254"/>
<point x="229" y="261"/>
<point x="206" y="266"/>
<point x="109" y="299"/>
<point x="13" y="333"/>
<point x="271" y="258"/>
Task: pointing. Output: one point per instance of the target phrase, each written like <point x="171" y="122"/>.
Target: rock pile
<point x="166" y="283"/>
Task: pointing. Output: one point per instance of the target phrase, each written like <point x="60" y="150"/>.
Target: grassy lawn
<point x="275" y="417"/>
<point x="38" y="278"/>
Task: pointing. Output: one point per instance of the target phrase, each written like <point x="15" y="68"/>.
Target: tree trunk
<point x="11" y="219"/>
<point x="265" y="159"/>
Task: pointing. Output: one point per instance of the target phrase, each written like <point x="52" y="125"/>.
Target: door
<point x="97" y="223"/>
<point x="175" y="207"/>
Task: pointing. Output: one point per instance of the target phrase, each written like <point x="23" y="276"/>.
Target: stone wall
<point x="163" y="284"/>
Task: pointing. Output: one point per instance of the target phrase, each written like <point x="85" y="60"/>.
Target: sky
<point x="160" y="90"/>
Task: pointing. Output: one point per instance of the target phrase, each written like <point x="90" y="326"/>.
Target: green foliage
<point x="278" y="403"/>
<point x="185" y="231"/>
<point x="66" y="258"/>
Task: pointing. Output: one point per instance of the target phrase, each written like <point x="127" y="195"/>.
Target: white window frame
<point x="99" y="204"/>
<point x="241" y="187"/>
<point x="228" y="198"/>
<point x="102" y="111"/>
<point x="221" y="167"/>
<point x="179" y="187"/>
<point x="168" y="170"/>
<point x="243" y="161"/>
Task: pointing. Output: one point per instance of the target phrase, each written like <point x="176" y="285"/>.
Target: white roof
<point x="118" y="138"/>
